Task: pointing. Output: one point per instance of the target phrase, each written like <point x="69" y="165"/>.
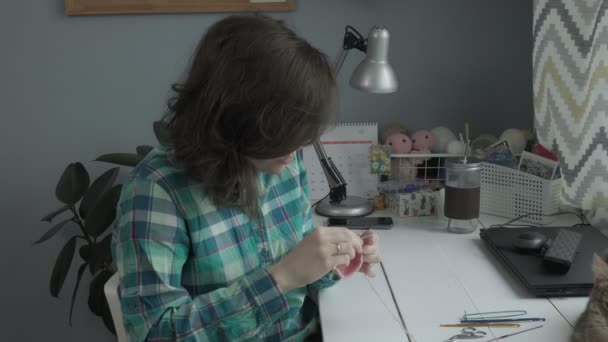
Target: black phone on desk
<point x="380" y="222"/>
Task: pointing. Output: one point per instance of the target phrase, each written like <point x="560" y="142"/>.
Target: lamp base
<point x="351" y="206"/>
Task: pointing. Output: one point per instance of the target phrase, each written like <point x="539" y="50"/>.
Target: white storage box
<point x="418" y="203"/>
<point x="511" y="193"/>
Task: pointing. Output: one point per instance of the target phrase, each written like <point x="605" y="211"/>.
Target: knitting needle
<point x="478" y="325"/>
<point x="504" y="320"/>
<point x="509" y="335"/>
<point x="366" y="232"/>
<point x="390" y="289"/>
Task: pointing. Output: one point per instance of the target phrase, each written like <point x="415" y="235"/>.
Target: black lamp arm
<point x="336" y="182"/>
<point x="354" y="40"/>
<point x="337" y="193"/>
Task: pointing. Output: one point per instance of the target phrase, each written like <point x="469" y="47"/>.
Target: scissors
<point x="467" y="334"/>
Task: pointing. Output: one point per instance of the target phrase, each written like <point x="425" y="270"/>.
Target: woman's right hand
<point x="315" y="256"/>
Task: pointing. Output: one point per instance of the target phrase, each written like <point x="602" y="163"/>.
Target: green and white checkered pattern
<point x="190" y="271"/>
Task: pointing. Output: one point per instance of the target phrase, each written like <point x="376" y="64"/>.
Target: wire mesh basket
<point x="505" y="191"/>
<point x="414" y="180"/>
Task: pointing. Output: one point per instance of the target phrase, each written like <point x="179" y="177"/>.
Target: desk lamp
<point x="373" y="75"/>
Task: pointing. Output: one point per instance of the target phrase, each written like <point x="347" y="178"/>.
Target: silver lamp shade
<point x="374" y="74"/>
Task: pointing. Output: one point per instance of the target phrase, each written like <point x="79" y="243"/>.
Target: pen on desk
<point x="481" y="325"/>
<point x="503" y="320"/>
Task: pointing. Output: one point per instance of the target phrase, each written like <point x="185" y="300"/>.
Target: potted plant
<point x="92" y="208"/>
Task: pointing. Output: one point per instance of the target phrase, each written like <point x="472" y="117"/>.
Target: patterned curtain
<point x="570" y="62"/>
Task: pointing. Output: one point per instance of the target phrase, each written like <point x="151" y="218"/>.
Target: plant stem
<point x="80" y="224"/>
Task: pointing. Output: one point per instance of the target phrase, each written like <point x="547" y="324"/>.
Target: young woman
<point x="215" y="240"/>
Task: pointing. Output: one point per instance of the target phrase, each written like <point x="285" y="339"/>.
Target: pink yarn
<point x="346" y="270"/>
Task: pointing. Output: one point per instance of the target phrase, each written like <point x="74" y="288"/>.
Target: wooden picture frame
<point x="88" y="7"/>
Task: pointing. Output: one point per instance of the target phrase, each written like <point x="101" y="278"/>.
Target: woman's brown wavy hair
<point x="254" y="90"/>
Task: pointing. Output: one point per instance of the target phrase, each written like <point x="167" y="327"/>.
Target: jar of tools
<point x="462" y="192"/>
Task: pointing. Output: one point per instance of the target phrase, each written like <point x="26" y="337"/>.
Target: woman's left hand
<point x="369" y="253"/>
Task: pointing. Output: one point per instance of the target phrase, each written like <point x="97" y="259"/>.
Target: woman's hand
<point x="315" y="256"/>
<point x="370" y="253"/>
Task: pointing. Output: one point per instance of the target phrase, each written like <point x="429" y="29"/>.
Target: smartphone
<point x="361" y="222"/>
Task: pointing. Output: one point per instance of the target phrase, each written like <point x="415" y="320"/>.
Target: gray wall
<point x="74" y="88"/>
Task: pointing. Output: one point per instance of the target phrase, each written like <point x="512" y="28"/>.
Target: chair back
<point x="111" y="290"/>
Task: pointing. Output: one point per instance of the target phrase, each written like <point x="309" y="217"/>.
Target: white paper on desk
<point x="348" y="147"/>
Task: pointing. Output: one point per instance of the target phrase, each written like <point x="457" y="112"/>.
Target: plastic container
<point x="512" y="193"/>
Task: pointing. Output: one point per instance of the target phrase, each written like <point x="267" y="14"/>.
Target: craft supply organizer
<point x="511" y="193"/>
<point x="429" y="171"/>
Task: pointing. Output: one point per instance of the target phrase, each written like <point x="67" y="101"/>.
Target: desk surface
<point x="351" y="311"/>
<point x="436" y="276"/>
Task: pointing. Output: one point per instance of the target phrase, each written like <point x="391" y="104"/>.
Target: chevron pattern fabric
<point x="570" y="70"/>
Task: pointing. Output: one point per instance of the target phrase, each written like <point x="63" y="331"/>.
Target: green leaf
<point x="62" y="266"/>
<point x="104" y="212"/>
<point x="97" y="189"/>
<point x="54" y="230"/>
<point x="143" y="150"/>
<point x="80" y="272"/>
<point x="50" y="216"/>
<point x="125" y="159"/>
<point x="96" y="292"/>
<point x="161" y="131"/>
<point x="100" y="253"/>
<point x="73" y="183"/>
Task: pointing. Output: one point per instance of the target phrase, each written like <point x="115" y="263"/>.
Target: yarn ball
<point x="422" y="140"/>
<point x="480" y="145"/>
<point x="531" y="139"/>
<point x="515" y="138"/>
<point x="441" y="137"/>
<point x="400" y="143"/>
<point x="485" y="140"/>
<point x="355" y="264"/>
<point x="455" y="147"/>
<point x="528" y="134"/>
<point x="392" y="129"/>
<point x="482" y="142"/>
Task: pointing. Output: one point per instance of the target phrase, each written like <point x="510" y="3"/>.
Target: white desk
<point x="436" y="276"/>
<point x="351" y="311"/>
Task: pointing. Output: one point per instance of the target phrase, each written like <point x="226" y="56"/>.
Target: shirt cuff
<point x="326" y="281"/>
<point x="266" y="293"/>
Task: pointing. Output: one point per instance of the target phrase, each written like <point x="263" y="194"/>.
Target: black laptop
<point x="533" y="273"/>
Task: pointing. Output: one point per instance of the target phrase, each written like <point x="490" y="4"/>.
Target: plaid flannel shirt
<point x="190" y="271"/>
